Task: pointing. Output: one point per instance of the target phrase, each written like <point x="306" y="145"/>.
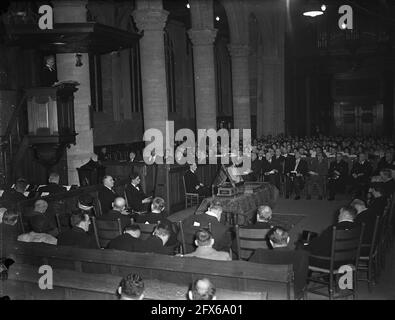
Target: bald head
<point x="40" y="206"/>
<point x="119" y="204"/>
<point x="202" y="289"/>
<point x="264" y="214"/>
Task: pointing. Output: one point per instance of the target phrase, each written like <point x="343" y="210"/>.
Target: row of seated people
<point x="300" y="172"/>
<point x="170" y="237"/>
<point x="208" y="238"/>
<point x="22" y="190"/>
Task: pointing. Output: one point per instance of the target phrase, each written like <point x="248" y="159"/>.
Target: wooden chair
<point x="146" y="230"/>
<point x="247" y="240"/>
<point x="370" y="263"/>
<point x="345" y="250"/>
<point x="105" y="231"/>
<point x="191" y="199"/>
<point x="181" y="230"/>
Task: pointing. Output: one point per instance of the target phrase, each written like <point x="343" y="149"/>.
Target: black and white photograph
<point x="225" y="151"/>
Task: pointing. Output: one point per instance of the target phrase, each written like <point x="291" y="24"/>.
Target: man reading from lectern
<point x="193" y="184"/>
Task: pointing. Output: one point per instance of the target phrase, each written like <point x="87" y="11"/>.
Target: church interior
<point x="307" y="188"/>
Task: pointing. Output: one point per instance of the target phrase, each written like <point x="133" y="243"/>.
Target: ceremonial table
<point x="241" y="208"/>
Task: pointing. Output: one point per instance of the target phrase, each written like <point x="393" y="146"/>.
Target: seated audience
<point x="281" y="254"/>
<point x="52" y="187"/>
<point x="118" y="212"/>
<point x="131" y="288"/>
<point x="128" y="241"/>
<point x="8" y="225"/>
<point x="321" y="245"/>
<point x="106" y="194"/>
<point x="202" y="289"/>
<point x="136" y="197"/>
<point x="212" y="217"/>
<point x="78" y="236"/>
<point x="204" y="242"/>
<point x="386" y="162"/>
<point x="157" y="242"/>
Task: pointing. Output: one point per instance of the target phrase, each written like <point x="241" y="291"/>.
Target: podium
<point x="51" y="126"/>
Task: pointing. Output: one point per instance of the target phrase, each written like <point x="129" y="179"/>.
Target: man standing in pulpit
<point x="48" y="73"/>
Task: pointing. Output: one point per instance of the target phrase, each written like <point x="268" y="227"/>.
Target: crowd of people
<point x="295" y="161"/>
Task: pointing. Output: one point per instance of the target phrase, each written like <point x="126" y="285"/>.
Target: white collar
<point x="212" y="214"/>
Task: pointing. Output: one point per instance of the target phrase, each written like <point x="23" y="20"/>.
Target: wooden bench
<point x="22" y="284"/>
<point x="233" y="275"/>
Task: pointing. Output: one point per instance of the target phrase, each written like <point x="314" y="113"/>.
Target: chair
<point x="105" y="231"/>
<point x="345" y="250"/>
<point x="370" y="263"/>
<point x="62" y="226"/>
<point x="383" y="230"/>
<point x="191" y="199"/>
<point x="183" y="245"/>
<point x="146" y="230"/>
<point x="247" y="240"/>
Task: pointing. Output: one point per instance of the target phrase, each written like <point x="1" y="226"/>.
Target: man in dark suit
<point x="128" y="241"/>
<point x="157" y="242"/>
<point x="78" y="236"/>
<point x="337" y="176"/>
<point x="256" y="168"/>
<point x="9" y="230"/>
<point x="360" y="176"/>
<point x="388" y="183"/>
<point x="157" y="215"/>
<point x="281" y="254"/>
<point x="378" y="200"/>
<point x="52" y="187"/>
<point x="296" y="170"/>
<point x="40" y="216"/>
<point x="48" y="72"/>
<point x="271" y="170"/>
<point x="317" y="176"/>
<point x="263" y="217"/>
<point x="368" y="217"/>
<point x="106" y="194"/>
<point x="321" y="246"/>
<point x="15" y="195"/>
<point x="192" y="183"/>
<point x="136" y="197"/>
<point x="212" y="217"/>
<point x="118" y="212"/>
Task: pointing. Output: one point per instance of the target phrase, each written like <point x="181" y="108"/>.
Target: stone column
<point x="73" y="11"/>
<point x="241" y="86"/>
<point x="272" y="116"/>
<point x="151" y="19"/>
<point x="203" y="36"/>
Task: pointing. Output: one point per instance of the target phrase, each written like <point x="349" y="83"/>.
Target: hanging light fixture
<point x="314" y="9"/>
